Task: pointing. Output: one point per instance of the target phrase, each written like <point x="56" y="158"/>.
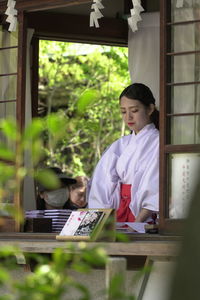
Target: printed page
<point x="73" y="223"/>
<point x="89" y="222"/>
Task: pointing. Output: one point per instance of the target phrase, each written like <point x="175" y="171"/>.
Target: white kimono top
<point x="132" y="159"/>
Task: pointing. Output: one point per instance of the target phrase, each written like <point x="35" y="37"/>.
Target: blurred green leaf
<point x="55" y="123"/>
<point x="8" y="250"/>
<point x="6" y="153"/>
<point x="10" y="129"/>
<point x="4" y="275"/>
<point x="47" y="178"/>
<point x="33" y="130"/>
<point x="37" y="151"/>
<point x="15" y="212"/>
<point x="121" y="237"/>
<point x="81" y="267"/>
<point x="87" y="98"/>
<point x="6" y="172"/>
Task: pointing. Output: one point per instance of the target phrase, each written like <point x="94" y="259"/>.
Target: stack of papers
<point x="58" y="216"/>
<point x="34" y="213"/>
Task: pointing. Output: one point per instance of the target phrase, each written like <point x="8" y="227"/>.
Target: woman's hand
<point x="143" y="215"/>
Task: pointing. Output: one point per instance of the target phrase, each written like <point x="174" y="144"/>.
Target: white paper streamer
<point x="11" y="12"/>
<point x="135" y="15"/>
<point x="96" y="13"/>
<point x="179" y="3"/>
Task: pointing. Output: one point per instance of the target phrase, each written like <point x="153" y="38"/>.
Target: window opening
<point x="66" y="72"/>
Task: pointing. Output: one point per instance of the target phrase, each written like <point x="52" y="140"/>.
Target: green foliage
<point x="84" y="82"/>
<point x="88" y="98"/>
<point x="80" y="97"/>
<point x="51" y="276"/>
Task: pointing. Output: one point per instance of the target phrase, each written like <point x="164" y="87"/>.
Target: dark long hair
<point x="142" y="93"/>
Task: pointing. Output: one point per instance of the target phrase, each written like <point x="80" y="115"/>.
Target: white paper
<point x="11" y="11"/>
<point x="136" y="2"/>
<point x="98" y="4"/>
<point x="179" y="3"/>
<point x="96" y="13"/>
<point x="135" y="15"/>
<point x="137" y="226"/>
<point x="93" y="20"/>
<point x="13" y="25"/>
<point x="11" y="3"/>
<point x="133" y="24"/>
<point x="73" y="223"/>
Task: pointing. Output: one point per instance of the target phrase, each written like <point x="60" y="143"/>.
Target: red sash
<point x="124" y="213"/>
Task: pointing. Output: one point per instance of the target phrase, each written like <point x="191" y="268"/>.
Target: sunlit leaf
<point x="87" y="98"/>
<point x="55" y="123"/>
<point x="21" y="172"/>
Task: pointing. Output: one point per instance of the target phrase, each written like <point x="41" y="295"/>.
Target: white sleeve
<point x="147" y="194"/>
<point x="104" y="187"/>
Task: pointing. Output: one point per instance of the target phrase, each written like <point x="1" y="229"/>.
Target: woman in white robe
<point x="127" y="176"/>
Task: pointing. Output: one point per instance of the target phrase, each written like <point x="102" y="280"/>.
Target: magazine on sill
<point x="85" y="224"/>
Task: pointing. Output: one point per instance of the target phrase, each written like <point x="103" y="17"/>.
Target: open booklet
<point x="87" y="224"/>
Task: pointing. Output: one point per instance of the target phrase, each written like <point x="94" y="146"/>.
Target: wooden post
<point x="115" y="266"/>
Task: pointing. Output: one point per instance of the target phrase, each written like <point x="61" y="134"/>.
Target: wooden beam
<point x="21" y="80"/>
<point x="76" y="28"/>
<point x="142" y="248"/>
<point x="21" y="90"/>
<point x="35" y="5"/>
<point x="35" y="76"/>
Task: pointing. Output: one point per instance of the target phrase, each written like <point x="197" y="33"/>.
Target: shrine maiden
<point x="127" y="176"/>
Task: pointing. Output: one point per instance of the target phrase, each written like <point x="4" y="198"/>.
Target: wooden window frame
<point x="169" y="226"/>
<point x="26" y="10"/>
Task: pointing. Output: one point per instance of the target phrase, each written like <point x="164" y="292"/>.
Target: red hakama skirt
<point x="124" y="213"/>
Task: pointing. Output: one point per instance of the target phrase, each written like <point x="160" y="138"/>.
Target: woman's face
<point x="135" y="114"/>
<point x="78" y="196"/>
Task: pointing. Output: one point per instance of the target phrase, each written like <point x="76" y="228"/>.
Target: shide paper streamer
<point x="135" y="15"/>
<point x="96" y="13"/>
<point x="11" y="12"/>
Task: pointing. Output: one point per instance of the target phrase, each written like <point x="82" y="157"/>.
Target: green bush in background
<point x="68" y="73"/>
